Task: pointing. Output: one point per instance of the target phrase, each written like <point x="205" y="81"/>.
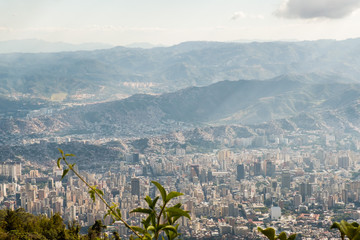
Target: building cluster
<point x="229" y="192"/>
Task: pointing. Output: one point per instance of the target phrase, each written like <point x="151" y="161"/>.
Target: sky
<point x="168" y="22"/>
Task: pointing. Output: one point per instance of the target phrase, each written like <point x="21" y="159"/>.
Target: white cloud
<point x="241" y="15"/>
<point x="238" y="15"/>
<point x="310" y="9"/>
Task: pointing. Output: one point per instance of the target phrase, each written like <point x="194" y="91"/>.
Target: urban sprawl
<point x="297" y="184"/>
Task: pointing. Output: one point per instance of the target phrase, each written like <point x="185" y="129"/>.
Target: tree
<point x="19" y="224"/>
<point x="96" y="229"/>
<point x="73" y="232"/>
<point x="54" y="228"/>
<point x="116" y="236"/>
<point x="12" y="220"/>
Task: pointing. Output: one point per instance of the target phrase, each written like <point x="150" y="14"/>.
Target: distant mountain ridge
<point x="110" y="73"/>
<point x="288" y="103"/>
<point x="40" y="46"/>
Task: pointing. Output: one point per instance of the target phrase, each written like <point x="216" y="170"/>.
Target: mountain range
<point x="40" y="46"/>
<point x="286" y="102"/>
<point x="108" y="74"/>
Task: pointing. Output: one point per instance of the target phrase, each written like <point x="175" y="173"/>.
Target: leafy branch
<point x="271" y="235"/>
<point x="163" y="221"/>
<point x="93" y="190"/>
<point x="351" y="230"/>
<point x="160" y="219"/>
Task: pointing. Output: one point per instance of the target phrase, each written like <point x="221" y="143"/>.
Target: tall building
<point x="305" y="190"/>
<point x="203" y="177"/>
<point x="297" y="200"/>
<point x="285" y="179"/>
<point x="343" y="162"/>
<point x="210" y="175"/>
<point x="269" y="169"/>
<point x="240" y="172"/>
<point x="224" y="156"/>
<point x="257" y="168"/>
<point x="136" y="158"/>
<point x="50" y="183"/>
<point x="10" y="169"/>
<point x="135" y="186"/>
<point x="274" y="185"/>
<point x="194" y="172"/>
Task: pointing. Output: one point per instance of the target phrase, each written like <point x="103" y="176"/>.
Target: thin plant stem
<point x="102" y="199"/>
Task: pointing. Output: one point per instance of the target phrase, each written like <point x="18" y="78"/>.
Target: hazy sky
<point x="172" y="21"/>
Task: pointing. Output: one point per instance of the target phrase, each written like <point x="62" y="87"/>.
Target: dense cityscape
<point x="294" y="183"/>
<point x="180" y="120"/>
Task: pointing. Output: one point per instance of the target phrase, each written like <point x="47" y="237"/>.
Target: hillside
<point x="118" y="72"/>
<point x="324" y="105"/>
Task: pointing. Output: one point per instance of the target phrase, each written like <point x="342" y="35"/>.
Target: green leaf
<point x="100" y="192"/>
<point x="161" y="189"/>
<point x="268" y="232"/>
<point x="357" y="237"/>
<point x="138" y="229"/>
<point x="153" y="204"/>
<point x="92" y="194"/>
<point x="146" y="222"/>
<point x="71" y="166"/>
<point x="175" y="212"/>
<point x="153" y="219"/>
<point x="61" y="151"/>
<point x="348" y="229"/>
<point x="64" y="173"/>
<point x="118" y="214"/>
<point x="337" y="226"/>
<point x="151" y="229"/>
<point x="172" y="195"/>
<point x="357" y="233"/>
<point x="113" y="206"/>
<point x="292" y="237"/>
<point x="141" y="210"/>
<point x="58" y="162"/>
<point x="146" y="236"/>
<point x="172" y="235"/>
<point x="282" y="236"/>
<point x="173" y="219"/>
<point x="178" y="205"/>
<point x="70" y="155"/>
<point x="170" y="228"/>
<point x="148" y="200"/>
<point x="108" y="213"/>
<point x="111" y="214"/>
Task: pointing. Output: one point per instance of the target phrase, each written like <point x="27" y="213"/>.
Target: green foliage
<point x="116" y="236"/>
<point x="271" y="235"/>
<point x="21" y="225"/>
<point x="95" y="230"/>
<point x="73" y="232"/>
<point x="350" y="230"/>
<point x="161" y="218"/>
